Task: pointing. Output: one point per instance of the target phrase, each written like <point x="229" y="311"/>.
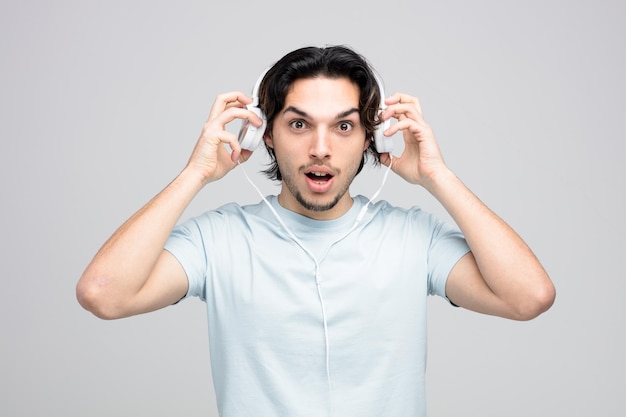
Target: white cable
<point x="317" y="281"/>
<point x="326" y="338"/>
<point x="317" y="263"/>
<point x="385" y="175"/>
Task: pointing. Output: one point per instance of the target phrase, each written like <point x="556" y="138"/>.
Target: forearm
<point x="123" y="264"/>
<point x="132" y="274"/>
<point x="501" y="276"/>
<point x="506" y="263"/>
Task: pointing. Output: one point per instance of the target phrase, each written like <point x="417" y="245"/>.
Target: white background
<point x="101" y="103"/>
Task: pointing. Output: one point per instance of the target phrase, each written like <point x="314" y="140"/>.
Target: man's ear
<point x="268" y="140"/>
<point x="366" y="143"/>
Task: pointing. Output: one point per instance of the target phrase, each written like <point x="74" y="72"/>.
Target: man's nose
<point x="320" y="143"/>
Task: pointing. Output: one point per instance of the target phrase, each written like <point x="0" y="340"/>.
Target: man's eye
<point x="298" y="124"/>
<point x="345" y="126"/>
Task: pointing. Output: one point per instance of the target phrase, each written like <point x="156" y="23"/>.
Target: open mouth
<point x="320" y="177"/>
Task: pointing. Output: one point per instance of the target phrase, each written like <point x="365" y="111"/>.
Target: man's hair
<point x="309" y="62"/>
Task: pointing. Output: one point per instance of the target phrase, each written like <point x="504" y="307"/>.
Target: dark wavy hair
<point x="309" y="62"/>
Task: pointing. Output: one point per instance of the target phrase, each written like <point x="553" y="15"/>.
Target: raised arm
<point x="132" y="273"/>
<point x="500" y="276"/>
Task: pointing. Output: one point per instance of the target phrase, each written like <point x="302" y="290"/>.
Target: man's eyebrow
<point x="305" y="114"/>
<point x="347" y="113"/>
<point x="296" y="110"/>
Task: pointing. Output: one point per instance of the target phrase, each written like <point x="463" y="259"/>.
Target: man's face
<point x="318" y="140"/>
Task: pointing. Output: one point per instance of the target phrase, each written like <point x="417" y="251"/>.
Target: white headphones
<point x="381" y="142"/>
<point x="250" y="136"/>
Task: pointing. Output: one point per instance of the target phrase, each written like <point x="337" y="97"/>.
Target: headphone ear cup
<point x="383" y="143"/>
<point x="250" y="136"/>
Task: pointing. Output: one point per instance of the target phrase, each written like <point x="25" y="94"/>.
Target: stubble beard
<point x="312" y="205"/>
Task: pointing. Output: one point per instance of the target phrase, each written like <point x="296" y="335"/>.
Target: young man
<point x="316" y="299"/>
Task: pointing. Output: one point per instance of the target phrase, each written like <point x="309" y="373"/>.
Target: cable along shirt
<point x="281" y="346"/>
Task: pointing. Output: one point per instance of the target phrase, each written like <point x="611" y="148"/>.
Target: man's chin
<point x="318" y="205"/>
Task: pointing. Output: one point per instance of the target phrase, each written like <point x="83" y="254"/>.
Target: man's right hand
<point x="132" y="273"/>
<point x="210" y="159"/>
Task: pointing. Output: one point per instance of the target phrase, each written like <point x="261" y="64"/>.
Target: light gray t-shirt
<point x="333" y="321"/>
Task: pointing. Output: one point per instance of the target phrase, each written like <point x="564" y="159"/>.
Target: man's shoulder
<point x="239" y="212"/>
<point x="238" y="209"/>
<point x="385" y="208"/>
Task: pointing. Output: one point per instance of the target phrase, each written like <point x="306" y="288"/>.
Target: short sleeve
<point x="447" y="247"/>
<point x="186" y="244"/>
